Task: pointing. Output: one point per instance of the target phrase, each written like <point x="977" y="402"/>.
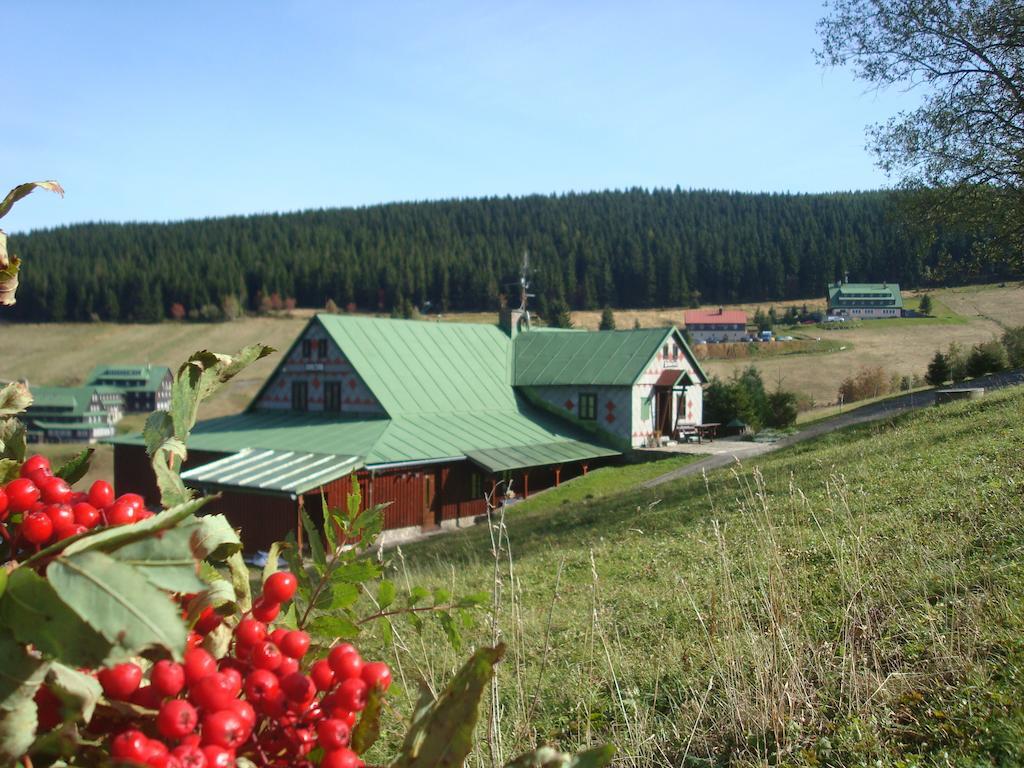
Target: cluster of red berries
<point x="202" y="719"/>
<point x="39" y="508"/>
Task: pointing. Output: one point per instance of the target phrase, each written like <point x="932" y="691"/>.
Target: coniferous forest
<point x="632" y="248"/>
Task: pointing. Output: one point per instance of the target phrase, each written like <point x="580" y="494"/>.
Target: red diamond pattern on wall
<point x="568" y="405"/>
<point x="351" y="383"/>
<point x="316" y="383"/>
<point x="609" y="405"/>
<point x="610" y="417"/>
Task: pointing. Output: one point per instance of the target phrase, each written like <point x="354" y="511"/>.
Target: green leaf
<point x="77" y="468"/>
<point x="240" y="580"/>
<point x="20" y="673"/>
<point x="385" y="594"/>
<point x="328" y="518"/>
<point x="118" y="602"/>
<point x="273" y="558"/>
<point x="289" y="618"/>
<point x="316" y="545"/>
<point x="354" y="501"/>
<point x="217" y="593"/>
<point x="442" y="596"/>
<point x="14" y="398"/>
<point x="159" y="428"/>
<point x="448" y="624"/>
<point x="13" y="443"/>
<point x="9" y="469"/>
<point x="356" y="572"/>
<point x="416" y="595"/>
<point x="32" y="610"/>
<point x="367" y="730"/>
<point x="213" y="538"/>
<point x="473" y="600"/>
<point x="165" y="559"/>
<point x="441" y="734"/>
<point x="22" y="190"/>
<point x="78" y="691"/>
<point x="166" y="463"/>
<point x="218" y="641"/>
<point x="8" y="274"/>
<point x="343" y="595"/>
<point x="17" y="731"/>
<point x="546" y="757"/>
<point x="332" y="626"/>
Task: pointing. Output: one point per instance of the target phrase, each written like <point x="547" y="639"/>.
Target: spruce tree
<point x="607" y="320"/>
<point x="938" y="370"/>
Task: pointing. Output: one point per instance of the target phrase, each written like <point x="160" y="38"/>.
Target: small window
<point x="307" y="348"/>
<point x="332" y="396"/>
<point x="321" y="348"/>
<point x="664" y="351"/>
<point x="300" y="396"/>
<point x="588" y="407"/>
<point x="476" y="486"/>
<point x="645" y="409"/>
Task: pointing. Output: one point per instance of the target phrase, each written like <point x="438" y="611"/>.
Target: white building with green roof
<point x="428" y="416"/>
<point x="864" y="300"/>
<point x="145" y="388"/>
<point x="68" y="415"/>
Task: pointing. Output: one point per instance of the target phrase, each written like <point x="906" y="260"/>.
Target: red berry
<point x="167" y="677"/>
<point x="278" y="635"/>
<point x="213" y="692"/>
<point x="260" y="684"/>
<point x="332" y="734"/>
<point x="60" y="514"/>
<point x="280" y="587"/>
<point x="4" y="514"/>
<point x="101" y="494"/>
<point x="266" y="655"/>
<point x="352" y="694"/>
<point x="322" y="674"/>
<point x="22" y="493"/>
<point x="147" y="696"/>
<point x="245" y="711"/>
<point x="177" y="718"/>
<point x="341" y="758"/>
<point x="130" y="745"/>
<point x="298" y="687"/>
<point x="132" y="500"/>
<point x="288" y="666"/>
<point x="121" y="681"/>
<point x="265" y="611"/>
<point x="208" y="621"/>
<point x="224" y="728"/>
<point x="120" y="513"/>
<point x="295" y="644"/>
<point x="198" y="664"/>
<point x="190" y="756"/>
<point x="234" y="678"/>
<point x="250" y="632"/>
<point x="86" y="514"/>
<point x="49" y="708"/>
<point x="55" y="490"/>
<point x="377" y="673"/>
<point x="218" y="757"/>
<point x="37" y="527"/>
<point x="345" y="663"/>
<point x="67" y="531"/>
<point x="35" y="463"/>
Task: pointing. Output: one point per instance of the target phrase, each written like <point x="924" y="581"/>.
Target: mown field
<point x="63" y="353"/>
<point x="854" y="600"/>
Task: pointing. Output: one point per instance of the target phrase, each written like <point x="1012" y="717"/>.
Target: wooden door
<point x="429" y="495"/>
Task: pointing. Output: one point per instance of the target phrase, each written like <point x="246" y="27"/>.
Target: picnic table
<point x="702" y="432"/>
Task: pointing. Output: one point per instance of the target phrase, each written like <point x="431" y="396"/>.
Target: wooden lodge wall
<point x="421" y="496"/>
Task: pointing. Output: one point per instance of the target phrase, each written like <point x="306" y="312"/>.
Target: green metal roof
<point x="53" y="425"/>
<point x="270" y="471"/>
<point x="525" y="456"/>
<point x="612" y="358"/>
<point x="415" y="366"/>
<point x="74" y="399"/>
<point x="143" y="377"/>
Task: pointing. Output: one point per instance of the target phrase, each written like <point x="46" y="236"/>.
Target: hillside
<point x="634" y="248"/>
<point x="853" y="600"/>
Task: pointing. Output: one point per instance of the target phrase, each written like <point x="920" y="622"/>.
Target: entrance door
<point x="663" y="403"/>
<point x="429" y="495"/>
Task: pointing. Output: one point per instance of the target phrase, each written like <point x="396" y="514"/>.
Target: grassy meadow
<point x="853" y="600"/>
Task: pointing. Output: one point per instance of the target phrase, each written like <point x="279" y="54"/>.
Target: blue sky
<point x="161" y="111"/>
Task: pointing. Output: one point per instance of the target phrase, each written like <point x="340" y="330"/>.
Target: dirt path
<point x="873" y="412"/>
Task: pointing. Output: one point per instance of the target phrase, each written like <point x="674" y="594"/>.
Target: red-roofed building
<point x="716" y="325"/>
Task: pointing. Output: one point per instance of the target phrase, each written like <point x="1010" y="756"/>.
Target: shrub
<point x="957" y="359"/>
<point x="782" y="409"/>
<point x="1013" y="343"/>
<point x="607" y="320"/>
<point x="938" y="370"/>
<point x="925" y="305"/>
<point x="987" y="357"/>
<point x="867" y="383"/>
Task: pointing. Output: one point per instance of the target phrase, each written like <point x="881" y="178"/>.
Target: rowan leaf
<point x="367" y="730"/>
<point x="385" y="594"/>
<point x="15" y="397"/>
<point x="332" y="626"/>
<point x="9" y="470"/>
<point x="35" y="614"/>
<point x="166" y="559"/>
<point x="13" y="443"/>
<point x="8" y="274"/>
<point x="110" y="539"/>
<point x="23" y="190"/>
<point x="316" y="545"/>
<point x="78" y="691"/>
<point x="273" y="561"/>
<point x="159" y="428"/>
<point x="441" y="734"/>
<point x="213" y="538"/>
<point x="75" y="469"/>
<point x="240" y="580"/>
<point x="17" y="731"/>
<point x="20" y="673"/>
<point x="118" y="602"/>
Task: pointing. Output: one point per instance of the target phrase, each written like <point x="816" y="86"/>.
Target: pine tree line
<point x="634" y="248"/>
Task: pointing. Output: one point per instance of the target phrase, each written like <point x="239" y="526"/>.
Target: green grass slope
<point x="852" y="600"/>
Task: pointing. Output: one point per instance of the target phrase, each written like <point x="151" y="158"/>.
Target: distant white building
<point x="716" y="325"/>
<point x="864" y="300"/>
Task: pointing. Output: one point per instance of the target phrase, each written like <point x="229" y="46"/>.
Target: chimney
<point x="721" y="310"/>
<point x="846" y="277"/>
<point x="513" y="320"/>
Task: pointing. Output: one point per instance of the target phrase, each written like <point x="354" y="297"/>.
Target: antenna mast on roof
<point x="524" y="287"/>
